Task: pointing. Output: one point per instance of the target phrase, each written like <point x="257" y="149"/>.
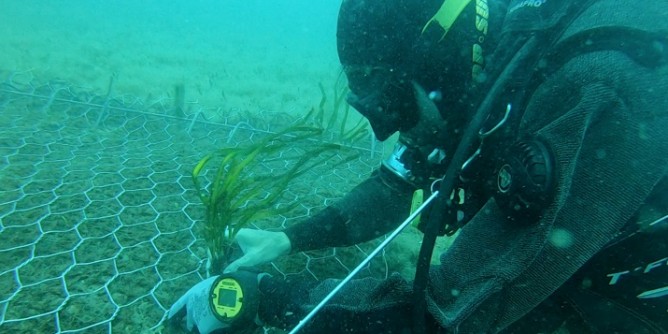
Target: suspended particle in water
<point x="561" y="238"/>
<point x="435" y="95"/>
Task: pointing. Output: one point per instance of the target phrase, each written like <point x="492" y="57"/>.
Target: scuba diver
<point x="544" y="122"/>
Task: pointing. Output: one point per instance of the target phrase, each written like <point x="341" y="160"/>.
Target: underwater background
<point x="105" y="109"/>
<point x="250" y="54"/>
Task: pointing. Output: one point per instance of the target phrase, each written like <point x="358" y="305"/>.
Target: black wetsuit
<point x="599" y="100"/>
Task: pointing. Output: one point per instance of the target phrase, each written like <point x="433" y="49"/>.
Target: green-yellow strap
<point x="418" y="199"/>
<point x="447" y="14"/>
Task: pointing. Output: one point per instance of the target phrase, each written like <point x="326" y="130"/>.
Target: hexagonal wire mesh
<point x="99" y="217"/>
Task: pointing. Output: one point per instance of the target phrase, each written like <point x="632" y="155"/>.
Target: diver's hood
<point x="373" y="40"/>
<point x="384" y="51"/>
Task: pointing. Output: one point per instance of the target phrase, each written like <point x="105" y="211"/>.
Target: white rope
<point x="363" y="264"/>
<point x="664" y="218"/>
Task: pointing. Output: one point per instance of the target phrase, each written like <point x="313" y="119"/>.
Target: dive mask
<point x="384" y="98"/>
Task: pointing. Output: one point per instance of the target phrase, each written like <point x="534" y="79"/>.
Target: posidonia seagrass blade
<point x="241" y="190"/>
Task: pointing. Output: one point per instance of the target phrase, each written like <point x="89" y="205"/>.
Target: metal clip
<point x="484" y="134"/>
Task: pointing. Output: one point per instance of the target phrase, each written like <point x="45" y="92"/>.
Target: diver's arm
<point x="370" y="210"/>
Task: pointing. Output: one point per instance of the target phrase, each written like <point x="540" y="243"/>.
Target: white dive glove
<point x="259" y="247"/>
<point x="195" y="303"/>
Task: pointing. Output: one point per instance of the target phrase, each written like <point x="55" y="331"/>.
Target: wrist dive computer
<point x="234" y="298"/>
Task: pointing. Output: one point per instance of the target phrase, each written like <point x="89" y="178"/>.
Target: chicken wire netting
<point x="100" y="224"/>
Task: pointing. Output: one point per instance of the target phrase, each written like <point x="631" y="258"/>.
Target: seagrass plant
<point x="328" y="118"/>
<point x="239" y="192"/>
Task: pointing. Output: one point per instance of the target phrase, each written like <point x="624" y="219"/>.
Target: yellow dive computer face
<point x="226" y="299"/>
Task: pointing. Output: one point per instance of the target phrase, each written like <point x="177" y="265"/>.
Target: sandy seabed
<point x="225" y="56"/>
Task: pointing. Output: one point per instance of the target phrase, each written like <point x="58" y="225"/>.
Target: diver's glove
<point x="226" y="302"/>
<point x="259" y="247"/>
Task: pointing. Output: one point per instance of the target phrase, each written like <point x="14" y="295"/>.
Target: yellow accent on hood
<point x="447" y="14"/>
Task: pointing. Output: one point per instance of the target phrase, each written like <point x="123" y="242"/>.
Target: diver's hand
<point x="259" y="247"/>
<point x="195" y="305"/>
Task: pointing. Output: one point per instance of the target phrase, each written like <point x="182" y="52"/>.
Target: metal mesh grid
<point x="99" y="220"/>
